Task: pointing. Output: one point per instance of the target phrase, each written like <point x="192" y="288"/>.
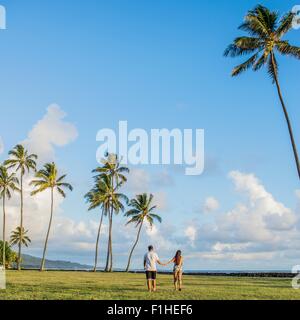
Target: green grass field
<point x="100" y="286"/>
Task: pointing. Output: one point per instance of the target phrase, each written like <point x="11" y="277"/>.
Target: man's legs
<point x="154" y="280"/>
<point x="149" y="280"/>
<point x="149" y="284"/>
<point x="154" y="285"/>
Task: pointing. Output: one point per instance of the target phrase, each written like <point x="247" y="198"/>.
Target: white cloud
<point x="211" y="204"/>
<point x="152" y="232"/>
<point x="163" y="179"/>
<point x="161" y="237"/>
<point x="50" y="132"/>
<point x="160" y="200"/>
<point x="262" y="206"/>
<point x="191" y="233"/>
<point x="138" y="181"/>
<point x="256" y="228"/>
<point x="220" y="247"/>
<point x="237" y="256"/>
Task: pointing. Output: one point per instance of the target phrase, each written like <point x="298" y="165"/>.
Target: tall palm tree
<point x="112" y="167"/>
<point x="45" y="179"/>
<point x="116" y="204"/>
<point x="142" y="210"/>
<point x="19" y="235"/>
<point x="112" y="202"/>
<point x="266" y="31"/>
<point x="22" y="161"/>
<point x="8" y="184"/>
<point x="99" y="197"/>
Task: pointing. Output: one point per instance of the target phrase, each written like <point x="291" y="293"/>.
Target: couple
<point x="150" y="261"/>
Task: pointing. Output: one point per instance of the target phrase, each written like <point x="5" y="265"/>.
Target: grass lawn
<point x="85" y="285"/>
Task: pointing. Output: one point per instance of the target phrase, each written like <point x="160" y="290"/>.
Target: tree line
<point x="105" y="196"/>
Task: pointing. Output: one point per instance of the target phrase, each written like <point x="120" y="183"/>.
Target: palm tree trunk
<point x="48" y="232"/>
<point x="110" y="242"/>
<point x="135" y="244"/>
<point x="111" y="225"/>
<point x="108" y="246"/>
<point x="287" y="119"/>
<point x="4" y="222"/>
<point x="21" y="223"/>
<point x="97" y="242"/>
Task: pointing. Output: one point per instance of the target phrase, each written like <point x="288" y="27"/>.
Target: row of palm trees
<point x="106" y="196"/>
<point x="21" y="162"/>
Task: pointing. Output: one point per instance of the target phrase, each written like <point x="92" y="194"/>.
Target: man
<point x="150" y="261"/>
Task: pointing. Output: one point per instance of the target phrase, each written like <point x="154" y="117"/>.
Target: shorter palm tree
<point x="19" y="235"/>
<point x="112" y="167"/>
<point x="142" y="210"/>
<point x="8" y="184"/>
<point x="22" y="161"/>
<point x="112" y="202"/>
<point x="99" y="197"/>
<point x="47" y="178"/>
<point x="116" y="202"/>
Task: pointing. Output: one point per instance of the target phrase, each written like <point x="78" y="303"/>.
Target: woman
<point x="178" y="269"/>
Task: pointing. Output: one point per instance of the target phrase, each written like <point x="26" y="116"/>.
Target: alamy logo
<point x="2" y="18"/>
<point x="296" y="20"/>
<point x="160" y="146"/>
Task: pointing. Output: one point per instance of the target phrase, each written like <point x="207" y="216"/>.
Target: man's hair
<point x="150" y="248"/>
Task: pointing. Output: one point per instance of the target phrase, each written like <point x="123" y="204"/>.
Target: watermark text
<point x="160" y="146"/>
<point x="296" y="19"/>
<point x="2" y="18"/>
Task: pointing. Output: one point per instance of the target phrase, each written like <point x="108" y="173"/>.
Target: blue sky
<point x="156" y="64"/>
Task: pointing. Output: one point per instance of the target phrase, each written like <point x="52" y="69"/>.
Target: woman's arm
<point x="165" y="264"/>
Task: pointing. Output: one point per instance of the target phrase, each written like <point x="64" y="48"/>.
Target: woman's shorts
<point x="178" y="269"/>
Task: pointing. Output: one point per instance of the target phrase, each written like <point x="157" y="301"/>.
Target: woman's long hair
<point x="177" y="257"/>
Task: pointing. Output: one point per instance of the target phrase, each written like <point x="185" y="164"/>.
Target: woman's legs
<point x="179" y="277"/>
<point x="175" y="279"/>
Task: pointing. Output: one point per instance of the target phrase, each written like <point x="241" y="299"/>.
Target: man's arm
<point x="144" y="262"/>
<point x="159" y="262"/>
